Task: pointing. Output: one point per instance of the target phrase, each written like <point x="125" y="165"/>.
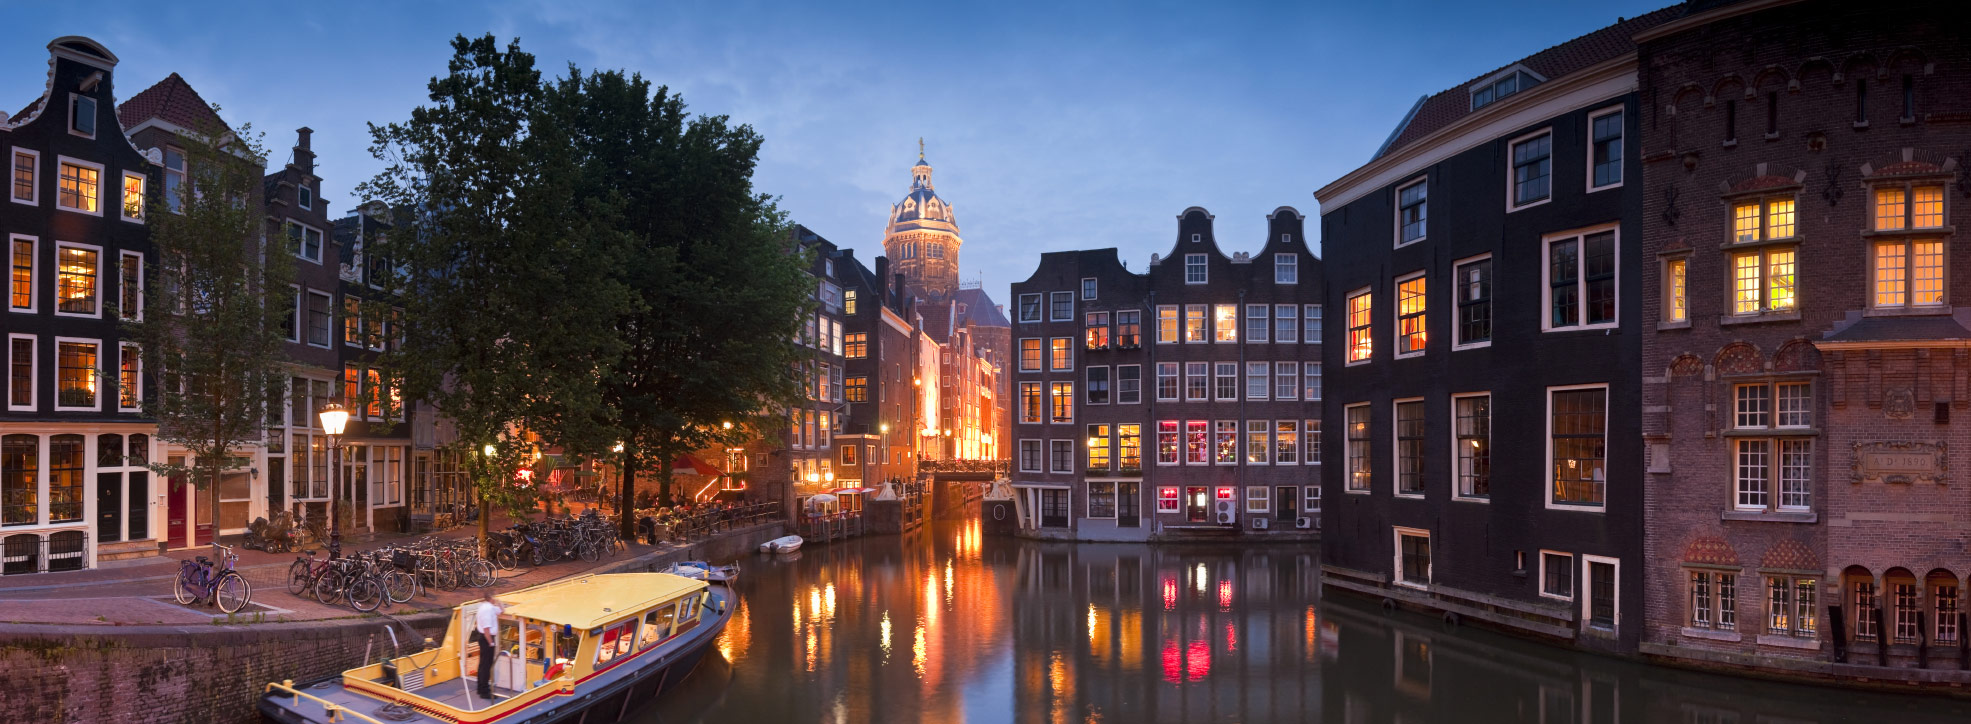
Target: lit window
<point x="1225" y="442"/>
<point x="20" y="283"/>
<point x="1763" y="280"/>
<point x="1030" y="403"/>
<point x="1410" y="316"/>
<point x="1196" y="442"/>
<point x="1167" y="325"/>
<point x="1098" y="448"/>
<point x="1194" y="323"/>
<point x="1061" y="354"/>
<point x="1062" y="394"/>
<point x="1890" y="209"/>
<point x="1258" y="434"/>
<point x="1790" y="604"/>
<point x="1225" y="323"/>
<point x="76" y="375"/>
<point x="129" y="378"/>
<point x="1578" y="421"/>
<point x="79" y="188"/>
<point x="1676" y="290"/>
<point x="1096" y="334"/>
<point x="1763" y="219"/>
<point x="1359" y="311"/>
<point x="1286" y="443"/>
<point x="133" y="197"/>
<point x="75" y="280"/>
<point x="1029" y="355"/>
<point x="1927" y="207"/>
<point x="1357" y="433"/>
<point x="1909" y="273"/>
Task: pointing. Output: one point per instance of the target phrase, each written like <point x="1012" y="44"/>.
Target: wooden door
<point x="177" y="518"/>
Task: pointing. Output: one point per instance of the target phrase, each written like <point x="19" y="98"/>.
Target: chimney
<point x="882" y="272"/>
<point x="303" y="132"/>
<point x="304" y="156"/>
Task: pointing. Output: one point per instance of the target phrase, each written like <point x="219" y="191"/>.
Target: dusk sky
<point x="1051" y="125"/>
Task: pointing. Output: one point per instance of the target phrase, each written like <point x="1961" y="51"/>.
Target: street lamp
<point x="335" y="419"/>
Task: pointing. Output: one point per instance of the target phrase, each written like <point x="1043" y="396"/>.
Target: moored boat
<point x="704" y="571"/>
<point x="591" y="649"/>
<point x="783" y="544"/>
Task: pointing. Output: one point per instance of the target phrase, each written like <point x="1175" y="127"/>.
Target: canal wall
<point x="203" y="674"/>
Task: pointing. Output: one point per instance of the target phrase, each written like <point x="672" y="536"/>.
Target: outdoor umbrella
<point x="688" y="464"/>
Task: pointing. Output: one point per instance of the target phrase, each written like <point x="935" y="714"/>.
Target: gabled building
<point x="377" y="452"/>
<point x="297" y="456"/>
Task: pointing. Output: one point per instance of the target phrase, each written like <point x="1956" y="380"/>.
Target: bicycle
<point x="202" y="580"/>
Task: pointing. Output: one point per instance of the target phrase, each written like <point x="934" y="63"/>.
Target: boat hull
<point x="613" y="696"/>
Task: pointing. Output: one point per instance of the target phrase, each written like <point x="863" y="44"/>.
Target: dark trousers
<point x="485" y="664"/>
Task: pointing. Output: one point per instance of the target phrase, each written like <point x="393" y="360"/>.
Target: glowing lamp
<point x="335" y="418"/>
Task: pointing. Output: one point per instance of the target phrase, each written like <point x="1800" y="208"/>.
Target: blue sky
<point x="1051" y="125"/>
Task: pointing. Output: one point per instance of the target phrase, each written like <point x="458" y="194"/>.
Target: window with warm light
<point x="1225" y="323"/>
<point x="20" y="284"/>
<point x="1357" y="434"/>
<point x="1097" y="334"/>
<point x="1225" y="442"/>
<point x="1762" y="220"/>
<point x="1194" y="323"/>
<point x="858" y="345"/>
<point x="76" y="375"/>
<point x="1167" y="442"/>
<point x="1474" y="445"/>
<point x="1098" y="448"/>
<point x="1030" y="403"/>
<point x="1129" y="328"/>
<point x="1359" y="311"/>
<point x="1062" y="395"/>
<point x="129" y="378"/>
<point x="1129" y="442"/>
<point x="1410" y="316"/>
<point x="1676" y="290"/>
<point x="75" y="280"/>
<point x="1763" y="280"/>
<point x="1577" y="425"/>
<point x="1030" y="355"/>
<point x="1060" y="356"/>
<point x="1196" y="442"/>
<point x="1908" y="274"/>
<point x="133" y="196"/>
<point x="80" y="188"/>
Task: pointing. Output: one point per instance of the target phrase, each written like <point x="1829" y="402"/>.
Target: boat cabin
<point x="552" y="638"/>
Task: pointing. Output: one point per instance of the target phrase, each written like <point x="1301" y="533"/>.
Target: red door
<point x="175" y="527"/>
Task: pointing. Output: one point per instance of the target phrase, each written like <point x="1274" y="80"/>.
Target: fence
<point x="829" y="526"/>
<point x="704" y="523"/>
<point x="65" y="550"/>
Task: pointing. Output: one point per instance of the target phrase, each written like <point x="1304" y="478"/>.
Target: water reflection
<point x="949" y="626"/>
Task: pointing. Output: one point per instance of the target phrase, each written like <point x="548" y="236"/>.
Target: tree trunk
<point x="626" y="496"/>
<point x="664" y="486"/>
<point x="212" y="501"/>
<point x="485" y="518"/>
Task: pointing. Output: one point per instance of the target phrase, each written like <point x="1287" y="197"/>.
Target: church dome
<point x="921" y="208"/>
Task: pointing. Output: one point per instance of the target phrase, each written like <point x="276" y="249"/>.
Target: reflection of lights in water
<point x="1169" y="595"/>
<point x="1189" y="663"/>
<point x="1062" y="684"/>
<point x="797" y="614"/>
<point x="947" y="582"/>
<point x="886" y="636"/>
<point x="1131" y="639"/>
<point x="1091" y="622"/>
<point x="931" y="599"/>
<point x="814" y="602"/>
<point x="738" y="634"/>
<point x="1199" y="581"/>
<point x="828" y="602"/>
<point x="917" y="651"/>
<point x="1308" y="628"/>
<point x="812" y="644"/>
<point x="1231" y="637"/>
<point x="1224" y="595"/>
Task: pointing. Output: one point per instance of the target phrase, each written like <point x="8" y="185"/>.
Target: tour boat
<point x="590" y="649"/>
<point x="783" y="544"/>
<point x="704" y="571"/>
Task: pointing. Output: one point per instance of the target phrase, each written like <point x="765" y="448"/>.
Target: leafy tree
<point x="213" y="315"/>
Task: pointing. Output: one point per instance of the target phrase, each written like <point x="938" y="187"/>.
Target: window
<point x="1714" y="600"/>
<point x="76" y="375"/>
<point x="1409" y="447"/>
<point x="1763" y="280"/>
<point x="1129" y="328"/>
<point x="1194" y="323"/>
<point x="79" y="187"/>
<point x="1166" y="380"/>
<point x="20" y="285"/>
<point x="1029" y="307"/>
<point x="1943" y="597"/>
<point x="1490" y="91"/>
<point x="1030" y="403"/>
<point x="1097" y="336"/>
<point x="1676" y="290"/>
<point x="1286" y="269"/>
<point x="304" y="196"/>
<point x="1286" y="442"/>
<point x="1166" y="442"/>
<point x="1098" y="447"/>
<point x="1129" y="384"/>
<point x="1412" y="557"/>
<point x="1790" y="608"/>
<point x="1029" y="456"/>
<point x="1902" y="597"/>
<point x="1286" y="380"/>
<point x="1762" y="220"/>
<point x="1088" y="288"/>
<point x="937" y="250"/>
<point x="1257" y="322"/>
<point x="1357" y="432"/>
<point x="858" y="345"/>
<point x="1225" y="323"/>
<point x="1578" y="426"/>
<point x="1195" y="271"/>
<point x="1410" y="316"/>
<point x="82" y="115"/>
<point x="1225" y="442"/>
<point x="849" y="302"/>
<point x="1311" y="316"/>
<point x="1167" y="325"/>
<point x="20" y="372"/>
<point x="1030" y="354"/>
<point x="1473" y="280"/>
<point x="1909" y="274"/>
<point x="856" y="389"/>
<point x="1060" y="456"/>
<point x="76" y="271"/>
<point x="1101" y="500"/>
<point x="1773" y="473"/>
<point x="1196" y="444"/>
<point x="352" y="320"/>
<point x="321" y="319"/>
<point x="1286" y="325"/>
<point x="1259" y="499"/>
<point x="1061" y="307"/>
<point x="1865" y="610"/>
<point x="1258" y="380"/>
<point x="129" y="378"/>
<point x="1197" y="381"/>
<point x="1062" y="394"/>
<point x="1311" y="381"/>
<point x="1602" y="609"/>
<point x="1532" y="170"/>
<point x="174" y="179"/>
<point x="19" y="471"/>
<point x="1258" y="442"/>
<point x="1412" y="211"/>
<point x="1310" y="442"/>
<point x="1168" y="500"/>
<point x="133" y="196"/>
<point x="26" y="166"/>
<point x="1474" y="444"/>
<point x="1605" y="150"/>
<point x="1557" y="575"/>
<point x="1359" y="310"/>
<point x="1731" y="123"/>
<point x="130" y="288"/>
<point x="1129" y="442"/>
<point x="1060" y="356"/>
<point x="1098" y="386"/>
<point x="1909" y="98"/>
<point x="1581" y="281"/>
<point x="1227" y="378"/>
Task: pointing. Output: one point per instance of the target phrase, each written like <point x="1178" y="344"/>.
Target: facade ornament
<point x="1901" y="462"/>
<point x="1899" y="403"/>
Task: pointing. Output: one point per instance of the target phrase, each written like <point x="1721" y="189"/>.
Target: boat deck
<point x="453" y="694"/>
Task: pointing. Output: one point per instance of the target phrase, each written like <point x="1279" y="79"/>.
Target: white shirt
<point x="489" y="619"/>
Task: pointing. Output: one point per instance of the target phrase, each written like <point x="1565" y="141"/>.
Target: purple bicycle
<point x="202" y="580"/>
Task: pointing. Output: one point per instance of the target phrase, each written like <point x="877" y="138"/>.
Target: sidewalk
<point x="140" y="592"/>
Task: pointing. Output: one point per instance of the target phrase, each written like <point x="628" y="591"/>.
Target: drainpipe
<point x="1238" y="310"/>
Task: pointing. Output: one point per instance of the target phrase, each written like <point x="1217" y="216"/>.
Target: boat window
<point x="566" y="641"/>
<point x="688" y="609"/>
<point x="657" y="625"/>
<point x="509" y="634"/>
<point x="606" y="652"/>
<point x="624" y="641"/>
<point x="536" y="643"/>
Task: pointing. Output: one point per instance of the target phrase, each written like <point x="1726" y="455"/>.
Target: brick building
<point x="1804" y="174"/>
<point x="1483" y="268"/>
<point x="1182" y="402"/>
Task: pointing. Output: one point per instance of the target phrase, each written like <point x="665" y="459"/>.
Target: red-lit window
<point x="1225" y="493"/>
<point x="1168" y="501"/>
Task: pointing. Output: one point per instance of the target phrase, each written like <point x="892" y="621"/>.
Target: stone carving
<point x="1899" y="403"/>
<point x="1739" y="358"/>
<point x="1832" y="193"/>
<point x="1901" y="462"/>
<point x="1670" y="212"/>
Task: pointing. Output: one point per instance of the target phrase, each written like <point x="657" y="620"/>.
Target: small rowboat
<point x="785" y="544"/>
<point x="703" y="571"/>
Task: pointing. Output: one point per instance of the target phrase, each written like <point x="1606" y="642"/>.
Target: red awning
<point x="690" y="465"/>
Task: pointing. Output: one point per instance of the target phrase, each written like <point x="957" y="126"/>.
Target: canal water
<point x="947" y="625"/>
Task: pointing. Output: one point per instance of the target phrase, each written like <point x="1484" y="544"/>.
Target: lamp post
<point x="335" y="419"/>
<point x="883" y="466"/>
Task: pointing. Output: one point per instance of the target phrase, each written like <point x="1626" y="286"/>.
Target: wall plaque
<point x="1901" y="462"/>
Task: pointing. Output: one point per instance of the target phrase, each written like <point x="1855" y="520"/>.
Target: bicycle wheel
<point x="480" y="573"/>
<point x="365" y="595"/>
<point x="590" y="551"/>
<point x="328" y="588"/>
<point x="446" y="578"/>
<point x="184" y="590"/>
<point x="505" y="558"/>
<point x="539" y="558"/>
<point x="399" y="586"/>
<point x="232" y="593"/>
<point x="297" y="578"/>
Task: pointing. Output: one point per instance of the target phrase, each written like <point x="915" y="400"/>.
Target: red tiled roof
<point x="172" y="100"/>
<point x="1608" y="43"/>
<point x="1759" y="183"/>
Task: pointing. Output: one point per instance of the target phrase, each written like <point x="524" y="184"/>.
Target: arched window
<point x="937" y="250"/>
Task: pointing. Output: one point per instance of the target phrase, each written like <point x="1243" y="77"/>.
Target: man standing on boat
<point x="486" y="633"/>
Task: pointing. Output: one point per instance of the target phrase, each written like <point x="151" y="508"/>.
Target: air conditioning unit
<point x="1259" y="524"/>
<point x="1228" y="512"/>
<point x="1303" y="523"/>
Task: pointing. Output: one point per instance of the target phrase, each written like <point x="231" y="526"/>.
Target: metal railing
<point x="965" y="466"/>
<point x="36" y="552"/>
<point x="704" y="523"/>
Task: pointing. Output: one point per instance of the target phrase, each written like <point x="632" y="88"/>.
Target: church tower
<point x="922" y="237"/>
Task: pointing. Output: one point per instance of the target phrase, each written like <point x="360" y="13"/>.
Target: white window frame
<point x="1282" y="376"/>
<point x="35" y="200"/>
<point x="59" y="407"/>
<point x="1588" y="132"/>
<point x="56" y="305"/>
<point x="1585" y="585"/>
<point x="1542" y="583"/>
<point x="1348" y="330"/>
<point x="143" y="291"/>
<point x="33" y="372"/>
<point x="1203" y="374"/>
<point x="1042" y="449"/>
<point x="1396" y="449"/>
<point x="1053" y="446"/>
<point x="1177" y="375"/>
<point x="312" y="293"/>
<point x="1259" y="499"/>
<point x="34" y="276"/>
<point x="1218" y="381"/>
<point x="1546" y="277"/>
<point x="1204" y="266"/>
<point x="1286" y="262"/>
<point x="1050" y="307"/>
<point x="1458" y="344"/>
<point x="1396" y="317"/>
<point x="101" y="177"/>
<point x="72" y="97"/>
<point x="1265" y="373"/>
<point x="1512" y="182"/>
<point x="1088" y="501"/>
<point x="122" y="212"/>
<point x="1067" y="343"/>
<point x="1396" y="202"/>
<point x="1019" y="354"/>
<point x="121" y="349"/>
<point x="1264" y="317"/>
<point x="1088" y="289"/>
<point x="304" y="197"/>
<point x="1115" y="385"/>
<point x="1022" y="302"/>
<point x="1396" y="569"/>
<point x="301" y="244"/>
<point x="1453" y="431"/>
<point x="1547" y="409"/>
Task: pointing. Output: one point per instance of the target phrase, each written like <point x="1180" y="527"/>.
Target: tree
<point x="212" y="323"/>
<point x="509" y="276"/>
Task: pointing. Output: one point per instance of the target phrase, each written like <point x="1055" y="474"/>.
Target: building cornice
<point x="1707" y="17"/>
<point x="1575" y="91"/>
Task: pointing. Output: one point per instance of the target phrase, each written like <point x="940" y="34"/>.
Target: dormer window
<point x="1492" y="89"/>
<point x="82" y="115"/>
<point x="304" y="197"/>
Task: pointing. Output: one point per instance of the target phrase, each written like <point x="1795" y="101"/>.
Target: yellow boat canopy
<point x="593" y="600"/>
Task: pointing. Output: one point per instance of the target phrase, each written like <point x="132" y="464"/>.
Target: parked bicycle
<point x="202" y="580"/>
